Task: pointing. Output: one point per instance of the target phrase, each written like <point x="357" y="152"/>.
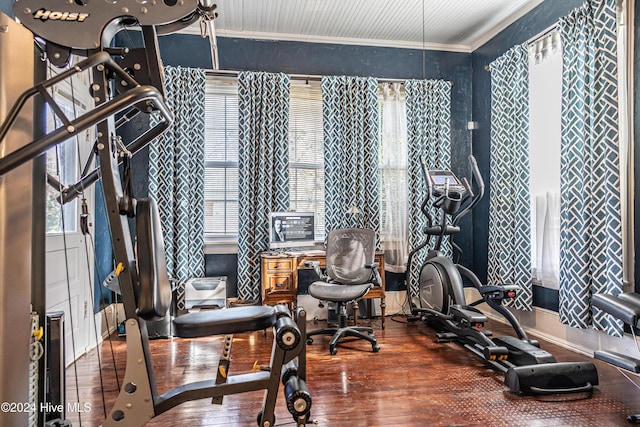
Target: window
<point x="306" y="161"/>
<point x="545" y="99"/>
<point x="306" y="158"/>
<point x="221" y="159"/>
<point x="306" y="152"/>
<point x="62" y="163"/>
<point x="393" y="176"/>
<point x="545" y="89"/>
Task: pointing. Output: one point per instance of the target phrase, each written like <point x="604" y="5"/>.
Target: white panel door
<point x="69" y="253"/>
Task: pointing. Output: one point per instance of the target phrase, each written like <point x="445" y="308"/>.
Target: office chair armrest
<point x="377" y="280"/>
<point x="317" y="269"/>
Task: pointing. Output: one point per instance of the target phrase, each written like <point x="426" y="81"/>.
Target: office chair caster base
<point x="375" y="348"/>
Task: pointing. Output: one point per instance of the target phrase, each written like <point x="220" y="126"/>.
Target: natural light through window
<point x="545" y="90"/>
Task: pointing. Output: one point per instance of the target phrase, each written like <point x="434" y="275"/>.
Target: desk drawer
<point x="276" y="265"/>
<point x="279" y="283"/>
<point x="321" y="260"/>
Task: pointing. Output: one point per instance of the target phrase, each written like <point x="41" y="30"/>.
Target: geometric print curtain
<point x="509" y="199"/>
<point x="176" y="173"/>
<point x="429" y="136"/>
<point x="350" y="120"/>
<point x="590" y="222"/>
<point x="263" y="169"/>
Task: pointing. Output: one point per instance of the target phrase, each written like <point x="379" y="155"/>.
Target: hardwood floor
<point x="412" y="381"/>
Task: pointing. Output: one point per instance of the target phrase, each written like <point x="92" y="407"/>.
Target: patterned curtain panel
<point x="350" y="119"/>
<point x="176" y="173"/>
<point x="263" y="169"/>
<point x="429" y="136"/>
<point x="591" y="237"/>
<point x="509" y="199"/>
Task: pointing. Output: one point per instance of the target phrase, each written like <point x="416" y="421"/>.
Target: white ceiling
<point x="453" y="25"/>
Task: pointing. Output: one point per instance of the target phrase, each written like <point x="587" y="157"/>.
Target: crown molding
<point x="483" y="38"/>
<point x="332" y="40"/>
<point x="480" y="37"/>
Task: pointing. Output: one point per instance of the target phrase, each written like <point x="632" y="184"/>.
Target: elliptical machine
<point x="442" y="304"/>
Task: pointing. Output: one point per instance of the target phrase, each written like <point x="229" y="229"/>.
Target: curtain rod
<point x="542" y="34"/>
<point x="306" y="77"/>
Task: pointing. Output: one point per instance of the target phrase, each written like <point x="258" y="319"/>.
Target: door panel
<point x="69" y="262"/>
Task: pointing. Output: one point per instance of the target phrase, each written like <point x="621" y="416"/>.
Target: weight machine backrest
<point x="154" y="296"/>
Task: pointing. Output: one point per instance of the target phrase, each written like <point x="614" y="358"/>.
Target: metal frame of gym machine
<point x="23" y="175"/>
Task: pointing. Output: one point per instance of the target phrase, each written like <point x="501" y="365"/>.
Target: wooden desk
<point x="279" y="279"/>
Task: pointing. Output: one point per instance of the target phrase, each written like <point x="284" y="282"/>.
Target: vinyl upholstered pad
<point x="225" y="321"/>
<point x="626" y="310"/>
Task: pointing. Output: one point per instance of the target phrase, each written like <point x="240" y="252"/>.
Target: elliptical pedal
<point x="446" y="337"/>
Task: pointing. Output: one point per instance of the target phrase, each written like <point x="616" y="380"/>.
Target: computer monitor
<point x="291" y="229"/>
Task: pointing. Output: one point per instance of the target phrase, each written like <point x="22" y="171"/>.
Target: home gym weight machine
<point x="122" y="80"/>
<point x="442" y="304"/>
<point x="626" y="307"/>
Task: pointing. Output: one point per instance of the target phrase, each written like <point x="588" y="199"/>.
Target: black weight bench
<point x="626" y="307"/>
<point x="139" y="401"/>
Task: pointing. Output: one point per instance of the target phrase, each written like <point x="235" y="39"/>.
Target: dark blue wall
<point x="6" y="7"/>
<point x="535" y="22"/>
<point x="528" y="26"/>
<point x="332" y="59"/>
<point x="325" y="59"/>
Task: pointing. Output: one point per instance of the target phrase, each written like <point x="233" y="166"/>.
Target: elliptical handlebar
<point x="475" y="198"/>
<point x="451" y="194"/>
<point x="425" y="176"/>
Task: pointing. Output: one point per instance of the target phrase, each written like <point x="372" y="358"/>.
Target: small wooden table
<point x="279" y="277"/>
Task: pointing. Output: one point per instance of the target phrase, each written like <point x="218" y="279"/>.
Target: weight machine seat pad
<point x="621" y="307"/>
<point x="338" y="293"/>
<point x="225" y="321"/>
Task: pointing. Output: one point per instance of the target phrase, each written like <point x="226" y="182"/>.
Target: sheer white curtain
<point x="545" y="80"/>
<point x="547" y="239"/>
<point x="393" y="177"/>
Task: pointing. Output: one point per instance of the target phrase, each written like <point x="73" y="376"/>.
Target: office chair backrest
<point x="154" y="296"/>
<point x="348" y="250"/>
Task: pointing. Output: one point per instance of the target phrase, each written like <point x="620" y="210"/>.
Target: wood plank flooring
<point x="412" y="381"/>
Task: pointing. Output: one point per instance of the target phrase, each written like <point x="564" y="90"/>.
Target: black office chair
<point x="350" y="273"/>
